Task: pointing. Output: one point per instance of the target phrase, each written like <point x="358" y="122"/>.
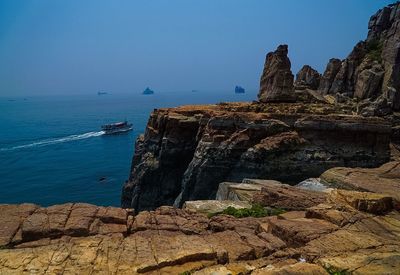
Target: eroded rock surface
<point x="336" y="235"/>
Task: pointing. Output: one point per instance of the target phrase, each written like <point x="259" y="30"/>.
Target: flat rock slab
<point x="288" y="197"/>
<point x="28" y="222"/>
<point x="385" y="179"/>
<point x="243" y="191"/>
<point x="213" y="206"/>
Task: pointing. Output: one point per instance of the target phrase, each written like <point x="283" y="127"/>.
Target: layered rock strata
<point x="187" y="151"/>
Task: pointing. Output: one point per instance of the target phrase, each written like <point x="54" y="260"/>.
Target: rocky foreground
<point x="335" y="230"/>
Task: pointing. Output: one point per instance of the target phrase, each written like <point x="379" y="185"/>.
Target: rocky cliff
<point x="187" y="151"/>
<point x="372" y="69"/>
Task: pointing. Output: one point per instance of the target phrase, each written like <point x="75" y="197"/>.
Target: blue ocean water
<point x="52" y="149"/>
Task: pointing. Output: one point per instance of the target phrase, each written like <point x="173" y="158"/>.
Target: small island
<point x="148" y="91"/>
<point x="239" y="90"/>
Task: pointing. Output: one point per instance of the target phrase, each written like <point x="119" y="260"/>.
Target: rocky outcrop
<point x="287" y="197"/>
<point x="29" y="222"/>
<point x="329" y="75"/>
<point x="384" y="179"/>
<point x="356" y="232"/>
<point x="276" y="84"/>
<point x="384" y="35"/>
<point x="269" y="193"/>
<point x="230" y="142"/>
<point x="369" y="81"/>
<point x="307" y="78"/>
<point x="372" y="69"/>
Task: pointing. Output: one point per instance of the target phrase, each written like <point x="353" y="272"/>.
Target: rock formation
<point x="276" y="84"/>
<point x="216" y="143"/>
<point x="372" y="69"/>
<point x="307" y="77"/>
<point x="329" y="75"/>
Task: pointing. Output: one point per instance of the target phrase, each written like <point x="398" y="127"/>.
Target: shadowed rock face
<point x="329" y="75"/>
<point x="276" y="83"/>
<point x="187" y="151"/>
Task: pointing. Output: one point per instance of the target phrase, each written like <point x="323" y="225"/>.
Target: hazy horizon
<point x="82" y="47"/>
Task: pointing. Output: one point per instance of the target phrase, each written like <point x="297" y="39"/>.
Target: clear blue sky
<point x="83" y="46"/>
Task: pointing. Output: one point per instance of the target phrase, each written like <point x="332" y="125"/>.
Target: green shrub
<point x="374" y="50"/>
<point x="332" y="271"/>
<point x="256" y="211"/>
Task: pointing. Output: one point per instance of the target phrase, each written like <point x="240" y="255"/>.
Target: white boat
<point x="117" y="127"/>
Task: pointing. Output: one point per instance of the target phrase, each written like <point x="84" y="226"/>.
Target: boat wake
<point x="52" y="141"/>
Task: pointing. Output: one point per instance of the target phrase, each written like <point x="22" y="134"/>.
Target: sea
<point x="52" y="149"/>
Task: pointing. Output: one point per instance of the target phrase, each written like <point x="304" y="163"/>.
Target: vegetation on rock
<point x="374" y="50"/>
<point x="256" y="211"/>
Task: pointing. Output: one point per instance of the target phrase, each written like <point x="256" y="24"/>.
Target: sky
<point x="62" y="47"/>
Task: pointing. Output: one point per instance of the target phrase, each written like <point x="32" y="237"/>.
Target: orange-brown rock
<point x="173" y="241"/>
<point x="287" y="197"/>
<point x="384" y="179"/>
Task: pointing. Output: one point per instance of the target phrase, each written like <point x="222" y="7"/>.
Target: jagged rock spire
<point x="276" y="83"/>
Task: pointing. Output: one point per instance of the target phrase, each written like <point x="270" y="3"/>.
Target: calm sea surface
<point x="52" y="150"/>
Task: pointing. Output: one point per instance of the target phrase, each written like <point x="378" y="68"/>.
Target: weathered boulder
<point x="379" y="107"/>
<point x="307" y="77"/>
<point x="240" y="191"/>
<point x="276" y="83"/>
<point x="362" y="201"/>
<point x="287" y="197"/>
<point x="11" y="218"/>
<point x="369" y="81"/>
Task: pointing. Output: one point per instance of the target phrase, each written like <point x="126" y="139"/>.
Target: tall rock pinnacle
<point x="276" y="83"/>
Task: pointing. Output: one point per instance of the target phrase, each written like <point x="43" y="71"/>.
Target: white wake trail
<point x="52" y="141"/>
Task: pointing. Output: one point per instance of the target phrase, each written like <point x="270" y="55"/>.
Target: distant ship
<point x="102" y="93"/>
<point x="239" y="90"/>
<point x="195" y="91"/>
<point x="117" y="127"/>
<point x="148" y="91"/>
